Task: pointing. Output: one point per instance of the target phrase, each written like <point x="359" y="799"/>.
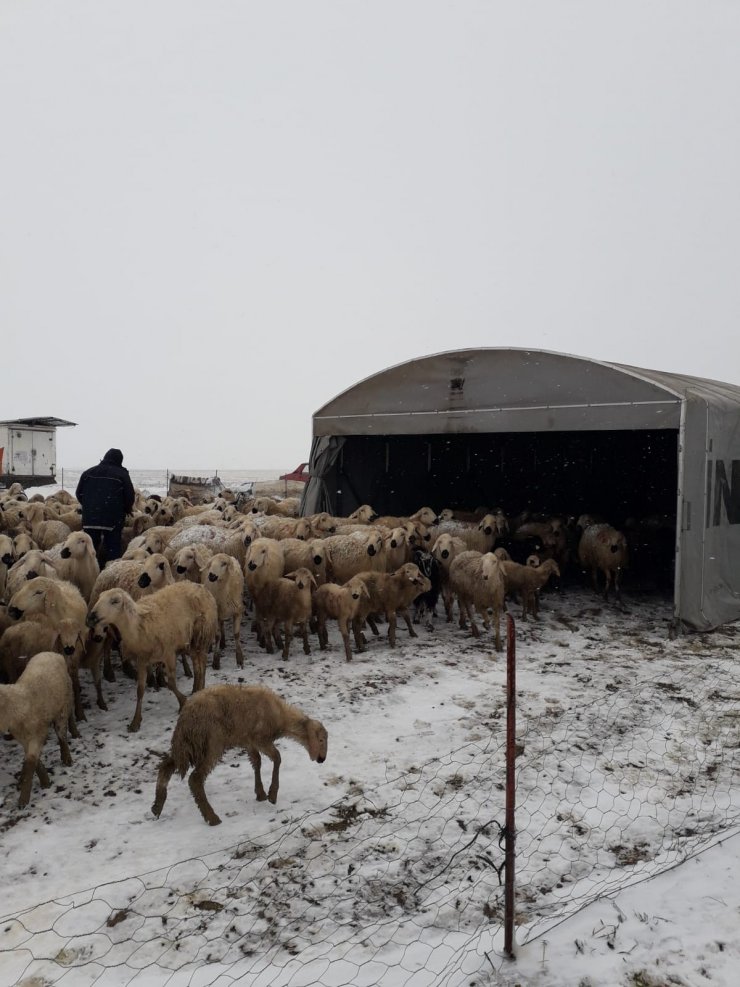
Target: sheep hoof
<point x="133" y="727"/>
<point x="216" y="663"/>
<point x="215" y="821"/>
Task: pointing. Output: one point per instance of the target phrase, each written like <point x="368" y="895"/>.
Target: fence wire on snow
<point x="404" y="887"/>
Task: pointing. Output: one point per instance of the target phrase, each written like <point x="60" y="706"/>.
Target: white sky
<point x="216" y="216"/>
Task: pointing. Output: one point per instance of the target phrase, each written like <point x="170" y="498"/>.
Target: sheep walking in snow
<point x="223" y="579"/>
<point x="340" y="603"/>
<point x="225" y="716"/>
<point x="42" y="697"/>
<point x="392" y="592"/>
<point x="182" y="617"/>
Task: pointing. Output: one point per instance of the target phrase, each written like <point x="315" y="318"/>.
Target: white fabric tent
<point x="552" y="423"/>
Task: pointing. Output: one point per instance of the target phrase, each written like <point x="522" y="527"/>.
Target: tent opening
<point x="624" y="476"/>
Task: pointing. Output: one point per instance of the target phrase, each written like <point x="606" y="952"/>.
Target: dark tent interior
<point x="623" y="476"/>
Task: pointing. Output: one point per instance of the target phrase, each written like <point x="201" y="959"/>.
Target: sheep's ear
<point x="289" y="575"/>
<point x="313" y="580"/>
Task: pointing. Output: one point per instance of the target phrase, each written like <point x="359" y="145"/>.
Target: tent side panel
<point x="709" y="589"/>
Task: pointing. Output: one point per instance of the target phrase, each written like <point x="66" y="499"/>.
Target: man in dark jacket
<point x="107" y="496"/>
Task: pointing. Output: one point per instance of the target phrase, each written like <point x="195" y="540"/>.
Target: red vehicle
<point x="300" y="473"/>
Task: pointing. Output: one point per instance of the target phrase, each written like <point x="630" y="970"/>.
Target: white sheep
<point x="223" y="578"/>
<point x="222" y="717"/>
<point x="32" y="564"/>
<point x="188" y="562"/>
<point x="42" y="697"/>
<point x="445" y="549"/>
<point x="286" y="527"/>
<point x="7" y="558"/>
<point x="477" y="580"/>
<point x="179" y="618"/>
<point x="353" y="553"/>
<point x="311" y="555"/>
<point x="56" y="599"/>
<point x="76" y="561"/>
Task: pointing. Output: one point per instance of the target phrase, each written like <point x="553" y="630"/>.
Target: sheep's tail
<point x="204" y="633"/>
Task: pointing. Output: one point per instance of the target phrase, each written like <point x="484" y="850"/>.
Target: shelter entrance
<point x="620" y="475"/>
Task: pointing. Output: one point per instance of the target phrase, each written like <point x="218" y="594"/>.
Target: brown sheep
<point x="392" y="592"/>
<point x="179" y="618"/>
<point x="339" y="603"/>
<point x="603" y="548"/>
<point x="527" y="581"/>
<point x="222" y="717"/>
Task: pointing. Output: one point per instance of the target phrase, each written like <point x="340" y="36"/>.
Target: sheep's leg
<point x="195" y="781"/>
<point x="497" y="627"/>
<point x="617" y="585"/>
<point x="166" y="769"/>
<point x="344" y="631"/>
<point x="391" y="618"/>
<point x="236" y="624"/>
<point x="323" y="634"/>
<point x="304" y="635"/>
<point x="218" y="645"/>
<point x="92" y="661"/>
<point x="108" y="672"/>
<point x="607" y="584"/>
<point x="274" y="754"/>
<point x="255" y="759"/>
<point x="72" y="726"/>
<point x="358" y="635"/>
<point x="462" y="607"/>
<point x="405" y="614"/>
<point x="140" y="687"/>
<point x="187" y="670"/>
<point x="287" y="638"/>
<point x="373" y="626"/>
<point x="447" y="599"/>
<point x="79" y="713"/>
<point x="64" y="752"/>
<point x="31" y="765"/>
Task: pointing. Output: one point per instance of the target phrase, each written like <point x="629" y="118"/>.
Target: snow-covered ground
<point x="381" y="865"/>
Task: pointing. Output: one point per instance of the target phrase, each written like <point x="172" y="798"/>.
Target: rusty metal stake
<point x="510" y="838"/>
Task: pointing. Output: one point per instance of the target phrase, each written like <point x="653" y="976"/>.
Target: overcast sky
<point x="215" y="216"/>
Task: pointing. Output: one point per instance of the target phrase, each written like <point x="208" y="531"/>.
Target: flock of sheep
<point x="189" y="570"/>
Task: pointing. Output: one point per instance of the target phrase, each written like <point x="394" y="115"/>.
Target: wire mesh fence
<point x="401" y="883"/>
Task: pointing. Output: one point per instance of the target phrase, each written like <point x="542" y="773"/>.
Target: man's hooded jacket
<point x="106" y="492"/>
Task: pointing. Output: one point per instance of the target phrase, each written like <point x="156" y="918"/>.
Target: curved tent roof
<point x="502" y="389"/>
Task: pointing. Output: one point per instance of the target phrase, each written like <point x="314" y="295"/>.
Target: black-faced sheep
<point x="226" y="716"/>
<point x="75" y="560"/>
<point x="42" y="697"/>
<point x="32" y="564"/>
<point x="357" y="552"/>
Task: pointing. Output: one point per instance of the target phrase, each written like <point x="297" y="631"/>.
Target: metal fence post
<point x="510" y="827"/>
